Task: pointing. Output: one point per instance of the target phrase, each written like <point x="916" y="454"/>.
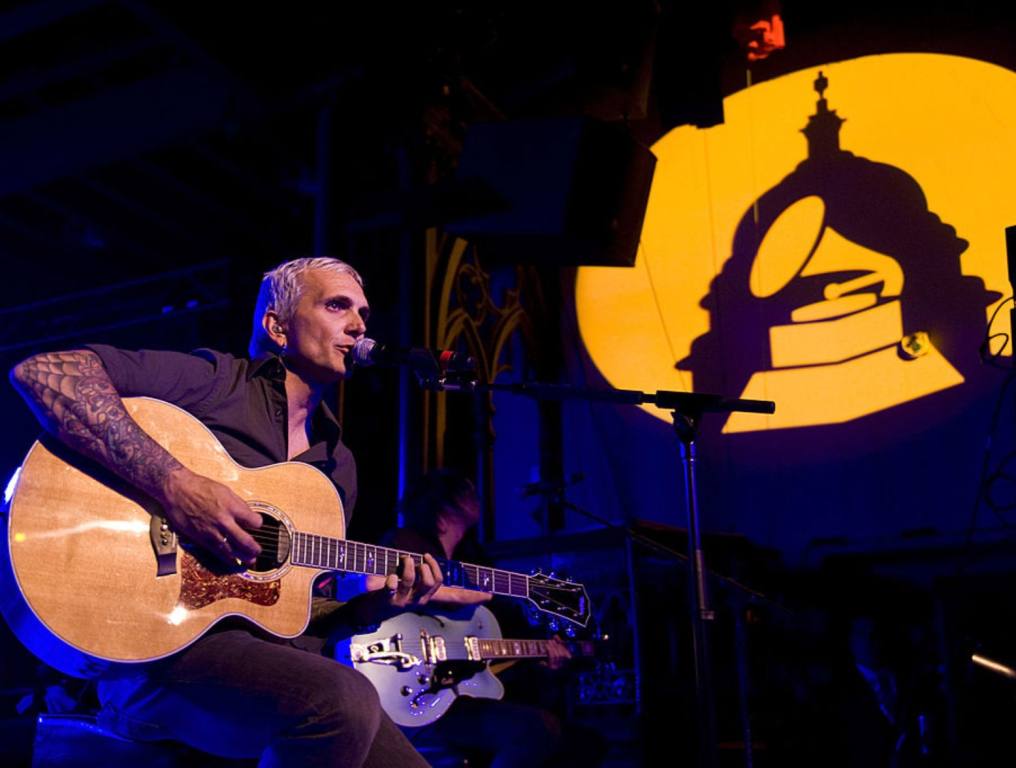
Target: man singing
<point x="239" y="692"/>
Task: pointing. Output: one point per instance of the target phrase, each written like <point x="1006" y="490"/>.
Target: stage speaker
<point x="565" y="191"/>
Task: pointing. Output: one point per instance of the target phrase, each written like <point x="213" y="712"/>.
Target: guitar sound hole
<point x="275" y="542"/>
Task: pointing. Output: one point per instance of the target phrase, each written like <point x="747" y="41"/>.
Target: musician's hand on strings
<point x="451" y="596"/>
<point x="557" y="652"/>
<point x="456" y="596"/>
<point x="207" y="513"/>
<point x="412" y="584"/>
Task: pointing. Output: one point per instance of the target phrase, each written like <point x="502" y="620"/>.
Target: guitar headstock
<point x="565" y="599"/>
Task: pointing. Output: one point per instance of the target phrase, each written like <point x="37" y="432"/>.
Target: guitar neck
<point x="523" y="649"/>
<point x="333" y="554"/>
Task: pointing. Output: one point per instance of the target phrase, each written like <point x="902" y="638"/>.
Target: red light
<point x="761" y="36"/>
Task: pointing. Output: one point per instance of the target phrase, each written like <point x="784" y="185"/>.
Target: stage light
<point x="760" y="33"/>
<point x="994" y="666"/>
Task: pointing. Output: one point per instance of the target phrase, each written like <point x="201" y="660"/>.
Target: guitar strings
<point x="271" y="538"/>
<point x="262" y="536"/>
<point x="270" y="542"/>
<point x="416" y="648"/>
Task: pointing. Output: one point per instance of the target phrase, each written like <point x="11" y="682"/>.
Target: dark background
<point x="157" y="157"/>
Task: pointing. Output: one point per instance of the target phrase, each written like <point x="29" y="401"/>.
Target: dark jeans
<point x="513" y="735"/>
<point x="235" y="695"/>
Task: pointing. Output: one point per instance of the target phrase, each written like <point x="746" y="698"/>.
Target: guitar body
<point x="408" y="701"/>
<point x="79" y="570"/>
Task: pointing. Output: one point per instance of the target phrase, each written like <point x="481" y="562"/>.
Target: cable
<point x="988" y="480"/>
<point x="659" y="310"/>
<point x="985" y="479"/>
<point x="984" y="351"/>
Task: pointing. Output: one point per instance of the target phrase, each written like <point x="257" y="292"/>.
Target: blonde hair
<point x="280" y="292"/>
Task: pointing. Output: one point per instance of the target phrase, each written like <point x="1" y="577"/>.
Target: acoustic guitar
<point x="92" y="576"/>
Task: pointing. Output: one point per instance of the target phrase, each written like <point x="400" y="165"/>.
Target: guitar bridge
<point x="386" y="651"/>
<point x="164" y="544"/>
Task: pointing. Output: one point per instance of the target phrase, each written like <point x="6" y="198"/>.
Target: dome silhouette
<point x="872" y="207"/>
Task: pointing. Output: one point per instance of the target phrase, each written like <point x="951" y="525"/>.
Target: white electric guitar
<point x="420" y="663"/>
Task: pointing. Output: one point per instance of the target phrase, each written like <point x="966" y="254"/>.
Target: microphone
<point x="367" y="352"/>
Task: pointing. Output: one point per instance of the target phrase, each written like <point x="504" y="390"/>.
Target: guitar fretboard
<point x="501" y="648"/>
<point x="342" y="555"/>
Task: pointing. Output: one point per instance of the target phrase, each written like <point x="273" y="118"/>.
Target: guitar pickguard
<point x="200" y="587"/>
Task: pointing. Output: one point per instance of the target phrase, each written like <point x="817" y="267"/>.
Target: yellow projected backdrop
<point x="837" y="245"/>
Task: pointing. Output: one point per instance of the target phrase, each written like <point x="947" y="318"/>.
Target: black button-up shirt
<point x="243" y="402"/>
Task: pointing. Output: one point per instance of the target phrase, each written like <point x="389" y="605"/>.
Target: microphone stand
<point x="734" y="587"/>
<point x="687" y="409"/>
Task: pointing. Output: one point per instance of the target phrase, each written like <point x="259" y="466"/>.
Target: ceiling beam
<point x="26" y="18"/>
<point x="115" y="124"/>
<point x="76" y="69"/>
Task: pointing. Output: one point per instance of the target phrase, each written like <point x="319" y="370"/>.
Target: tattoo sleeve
<point x="74" y="399"/>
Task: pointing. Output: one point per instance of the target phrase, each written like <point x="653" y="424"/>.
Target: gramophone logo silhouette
<point x="842" y="291"/>
<point x="831" y="246"/>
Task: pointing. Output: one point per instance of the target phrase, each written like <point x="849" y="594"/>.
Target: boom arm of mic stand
<point x="644" y="540"/>
<point x="685" y="402"/>
<point x="698" y="402"/>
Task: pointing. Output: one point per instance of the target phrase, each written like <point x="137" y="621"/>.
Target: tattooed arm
<point x="74" y="399"/>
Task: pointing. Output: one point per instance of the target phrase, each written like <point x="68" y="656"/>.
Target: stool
<point x="78" y="741"/>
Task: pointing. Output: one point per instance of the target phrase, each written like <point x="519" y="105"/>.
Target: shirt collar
<point x="326" y="422"/>
<point x="270" y="365"/>
<point x="267" y="364"/>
